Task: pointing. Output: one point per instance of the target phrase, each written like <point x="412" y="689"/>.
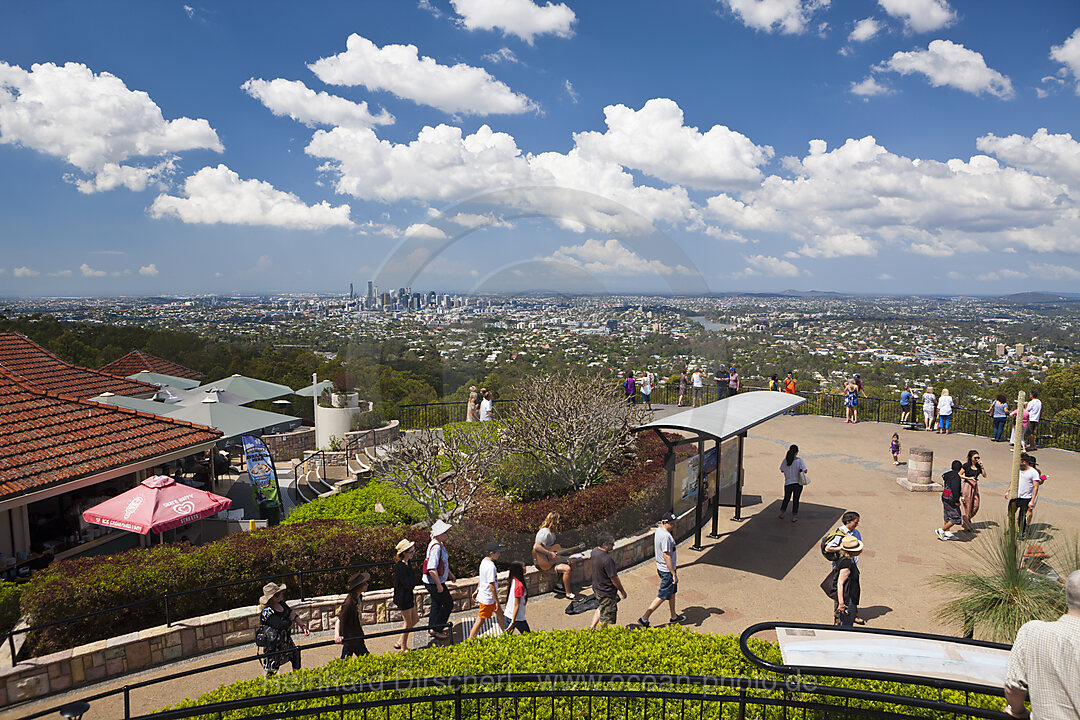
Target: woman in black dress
<point x="848" y="590"/>
<point x="404" y="582"/>
<point x="348" y="630"/>
<point x="276" y="620"/>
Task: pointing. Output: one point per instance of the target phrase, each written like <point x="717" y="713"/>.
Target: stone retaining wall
<point x="290" y="445"/>
<point x="135" y="651"/>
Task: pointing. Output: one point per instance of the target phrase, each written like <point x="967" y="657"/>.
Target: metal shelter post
<point x="700" y="495"/>
<point x="739" y="482"/>
<point x="716" y="496"/>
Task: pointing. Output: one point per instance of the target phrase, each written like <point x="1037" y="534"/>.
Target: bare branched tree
<point x="441" y="469"/>
<point x="573" y="424"/>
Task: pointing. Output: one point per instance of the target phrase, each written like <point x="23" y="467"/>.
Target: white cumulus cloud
<point x="1056" y="156"/>
<point x="839" y="245"/>
<point x="296" y="100"/>
<point x="24" y="271"/>
<point x="522" y="18"/>
<point x="399" y="69"/>
<point x="786" y="16"/>
<point x="148" y="270"/>
<point x="95" y="123"/>
<point x="218" y="195"/>
<point x="920" y="15"/>
<point x="611" y="257"/>
<point x="864" y="30"/>
<point x="655" y="141"/>
<point x="425" y="232"/>
<point x="947" y="63"/>
<point x="88" y="271"/>
<point x="769" y="266"/>
<point x="1068" y="54"/>
<point x="869" y="87"/>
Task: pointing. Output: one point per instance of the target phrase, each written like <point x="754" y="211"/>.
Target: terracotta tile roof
<point x="49" y="438"/>
<point x="29" y="363"/>
<point x="137" y="361"/>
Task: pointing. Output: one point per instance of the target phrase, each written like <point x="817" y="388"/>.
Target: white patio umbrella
<point x="249" y="387"/>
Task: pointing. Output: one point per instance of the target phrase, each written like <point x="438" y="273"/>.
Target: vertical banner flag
<point x="261" y="473"/>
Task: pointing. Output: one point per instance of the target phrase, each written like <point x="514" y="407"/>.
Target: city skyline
<point x="896" y="147"/>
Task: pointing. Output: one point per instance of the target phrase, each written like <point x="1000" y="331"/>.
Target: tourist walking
<point x="944" y="411"/>
<point x="646" y="390"/>
<point x="848" y="587"/>
<point x="894" y="448"/>
<point x="517" y="599"/>
<point x="630" y="387"/>
<point x="486" y="405"/>
<point x="436" y="575"/>
<point x="698" y="383"/>
<point x="547" y="554"/>
<point x="1034" y="408"/>
<point x="472" y="409"/>
<point x="734" y="381"/>
<point x="274" y="634"/>
<point x="929" y="407"/>
<point x="849" y="524"/>
<point x="404" y="583"/>
<point x="348" y="628"/>
<point x="1035" y="498"/>
<point x="999" y="411"/>
<point x="971" y="473"/>
<point x="664" y="552"/>
<point x="906" y="397"/>
<point x="950" y="501"/>
<point x="487" y="590"/>
<point x="1027" y="492"/>
<point x="1044" y="663"/>
<point x="683" y="379"/>
<point x="607" y="586"/>
<point x="851" y="402"/>
<point x="795" y="474"/>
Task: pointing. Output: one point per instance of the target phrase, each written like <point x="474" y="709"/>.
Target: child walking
<point x="894" y="448"/>
<point x="519" y="597"/>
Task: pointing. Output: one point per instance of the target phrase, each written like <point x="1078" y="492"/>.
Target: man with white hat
<point x="435" y="577"/>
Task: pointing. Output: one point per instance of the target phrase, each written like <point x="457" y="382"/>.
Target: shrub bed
<point x="357" y="507"/>
<point x="668" y="650"/>
<point x="10" y="594"/>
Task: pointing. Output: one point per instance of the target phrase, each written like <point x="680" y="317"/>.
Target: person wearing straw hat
<point x="848" y="590"/>
<point x="348" y="629"/>
<point x="275" y="626"/>
<point x="404" y="582"/>
<point x="435" y="577"/>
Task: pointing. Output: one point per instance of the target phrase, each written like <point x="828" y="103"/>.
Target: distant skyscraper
<point x="1019" y="349"/>
<point x="1001" y="349"/>
<point x="351" y="296"/>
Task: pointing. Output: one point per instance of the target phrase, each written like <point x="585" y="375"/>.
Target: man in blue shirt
<point x="905" y="405"/>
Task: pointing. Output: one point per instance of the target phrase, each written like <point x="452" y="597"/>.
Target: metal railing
<point x="127" y="690"/>
<point x="585" y="696"/>
<point x="1052" y="433"/>
<point x="170" y="611"/>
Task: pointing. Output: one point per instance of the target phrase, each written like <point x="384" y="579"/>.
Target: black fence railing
<point x="589" y="696"/>
<point x="127" y="690"/>
<point x="168" y="603"/>
<point x="1052" y="433"/>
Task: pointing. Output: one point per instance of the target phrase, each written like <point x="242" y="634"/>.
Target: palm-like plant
<point x="1012" y="582"/>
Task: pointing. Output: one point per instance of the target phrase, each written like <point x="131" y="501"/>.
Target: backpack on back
<point x="832" y="535"/>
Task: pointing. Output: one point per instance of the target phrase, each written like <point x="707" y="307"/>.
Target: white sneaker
<point x="940" y="534"/>
<point x="949" y="535"/>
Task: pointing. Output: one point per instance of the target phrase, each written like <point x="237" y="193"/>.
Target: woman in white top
<point x="929" y="404"/>
<point x="516" y="600"/>
<point x="790" y="467"/>
<point x="944" y="411"/>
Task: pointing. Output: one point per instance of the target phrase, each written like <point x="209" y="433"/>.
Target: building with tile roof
<point x="137" y="361"/>
<point x="27" y="362"/>
<point x="59" y="453"/>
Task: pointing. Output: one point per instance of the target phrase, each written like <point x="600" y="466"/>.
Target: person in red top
<point x="789" y="386"/>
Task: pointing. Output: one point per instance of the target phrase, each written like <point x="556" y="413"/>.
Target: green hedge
<point x="669" y="650"/>
<point x="357" y="507"/>
<point x="10" y="595"/>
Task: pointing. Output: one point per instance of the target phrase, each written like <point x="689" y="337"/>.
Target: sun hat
<point x="493" y="546"/>
<point x="404" y="545"/>
<point x="360" y="578"/>
<point x="440" y="527"/>
<point x="270" y="590"/>
<point x="851" y="544"/>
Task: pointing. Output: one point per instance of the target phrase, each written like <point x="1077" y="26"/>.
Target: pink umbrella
<point x="158" y="504"/>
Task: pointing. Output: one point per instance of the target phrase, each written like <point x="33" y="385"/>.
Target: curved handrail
<point x="868" y="674"/>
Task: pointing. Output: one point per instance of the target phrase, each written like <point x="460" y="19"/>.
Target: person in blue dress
<point x="851" y="401"/>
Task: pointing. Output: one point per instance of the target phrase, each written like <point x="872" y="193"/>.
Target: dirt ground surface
<point x="761" y="568"/>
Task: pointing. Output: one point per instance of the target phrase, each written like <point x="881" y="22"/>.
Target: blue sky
<point x="899" y="146"/>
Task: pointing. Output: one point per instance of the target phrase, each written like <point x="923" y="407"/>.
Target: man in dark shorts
<point x="606" y="584"/>
<point x="950" y="501"/>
